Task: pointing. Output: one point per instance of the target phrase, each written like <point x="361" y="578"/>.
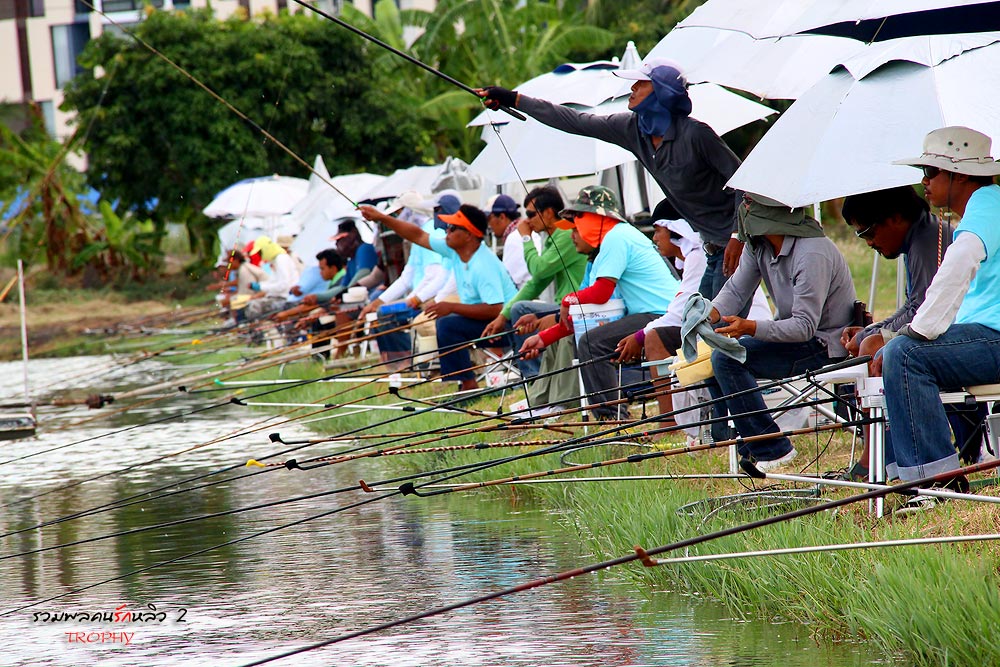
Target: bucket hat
<point x="957" y="149"/>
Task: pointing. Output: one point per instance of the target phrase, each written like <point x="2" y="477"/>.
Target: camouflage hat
<point x="595" y="199"/>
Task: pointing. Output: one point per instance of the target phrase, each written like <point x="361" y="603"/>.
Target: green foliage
<point x="643" y="21"/>
<point x="164" y="147"/>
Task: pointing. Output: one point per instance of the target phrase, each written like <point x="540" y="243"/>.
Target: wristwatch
<point x="526" y="238"/>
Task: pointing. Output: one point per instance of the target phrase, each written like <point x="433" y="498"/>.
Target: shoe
<point x="915" y="505"/>
<point x="765" y="466"/>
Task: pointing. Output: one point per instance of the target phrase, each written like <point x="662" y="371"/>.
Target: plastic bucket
<point x="588" y="316"/>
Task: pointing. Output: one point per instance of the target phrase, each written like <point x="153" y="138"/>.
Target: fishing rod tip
<point x="237" y="401"/>
<point x="254" y="463"/>
<point x="276" y="437"/>
<point x="217" y="381"/>
<point x="752" y="470"/>
<point x="365" y="487"/>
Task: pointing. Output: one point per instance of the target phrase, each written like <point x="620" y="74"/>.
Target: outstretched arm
<point x="408" y="231"/>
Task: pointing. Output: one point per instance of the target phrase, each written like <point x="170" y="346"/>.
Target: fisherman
<point x="624" y="262"/>
<point x="895" y="222"/>
<point x="270" y="294"/>
<point x="558" y="264"/>
<point x="504" y="217"/>
<point x="483" y="284"/>
<point x="810" y="284"/>
<point x="329" y="271"/>
<point x="362" y="258"/>
<point x="420" y="281"/>
<point x="689" y="161"/>
<point x="953" y="340"/>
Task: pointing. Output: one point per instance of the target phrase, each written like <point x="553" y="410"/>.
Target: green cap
<point x="596" y="199"/>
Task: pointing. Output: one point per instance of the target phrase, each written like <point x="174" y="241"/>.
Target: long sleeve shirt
<point x="559" y="262"/>
<point x="283" y="277"/>
<point x="810" y="283"/>
<point x="692" y="163"/>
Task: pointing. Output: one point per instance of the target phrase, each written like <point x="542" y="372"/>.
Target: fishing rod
<point x="640" y="554"/>
<point x="809" y="374"/>
<point x="374" y="40"/>
<point x="823" y="548"/>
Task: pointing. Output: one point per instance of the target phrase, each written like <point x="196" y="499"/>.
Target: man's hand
<point x="496" y="326"/>
<point x="371" y="308"/>
<point x="628" y="349"/>
<point x="309" y="300"/>
<point x="731" y="257"/>
<point x="371" y="213"/>
<point x="875" y="366"/>
<point x="737" y="326"/>
<point x="523" y="228"/>
<point x="528" y="324"/>
<point x="849" y="339"/>
<point x="532" y="347"/>
<point x="440" y="309"/>
<point x="495" y="97"/>
<point x="296" y="290"/>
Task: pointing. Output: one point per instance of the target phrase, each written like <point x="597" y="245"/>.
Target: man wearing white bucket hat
<point x="624" y="262"/>
<point x="954" y="339"/>
<point x="686" y="157"/>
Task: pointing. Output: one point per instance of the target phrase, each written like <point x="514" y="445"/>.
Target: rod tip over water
<point x="254" y="463"/>
<point x="236" y="401"/>
<point x="365" y="487"/>
<point x="750" y="469"/>
<point x="275" y="437"/>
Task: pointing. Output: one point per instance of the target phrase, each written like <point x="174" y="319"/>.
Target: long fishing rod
<point x="199" y="552"/>
<point x="267" y="505"/>
<point x="639" y="555"/>
<point x="374" y="40"/>
<point x="809" y="374"/>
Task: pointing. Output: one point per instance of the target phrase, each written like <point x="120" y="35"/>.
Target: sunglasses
<point x="867" y="233"/>
<point x="529" y="214"/>
<point x="451" y="228"/>
<point x="930" y="172"/>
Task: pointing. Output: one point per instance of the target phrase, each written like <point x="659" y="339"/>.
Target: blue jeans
<point x="529" y="367"/>
<point x="395" y="341"/>
<point x="764" y="360"/>
<point x="713" y="279"/>
<point x="453" y="330"/>
<point x="914" y="372"/>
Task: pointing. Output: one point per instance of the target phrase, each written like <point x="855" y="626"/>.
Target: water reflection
<point x="359" y="567"/>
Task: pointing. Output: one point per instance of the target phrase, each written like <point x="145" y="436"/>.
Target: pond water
<point x="312" y="581"/>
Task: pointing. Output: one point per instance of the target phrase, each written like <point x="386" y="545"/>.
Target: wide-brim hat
<point x="956" y="149"/>
<point x="412" y="200"/>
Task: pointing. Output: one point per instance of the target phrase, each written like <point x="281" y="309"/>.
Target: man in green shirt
<point x="558" y="263"/>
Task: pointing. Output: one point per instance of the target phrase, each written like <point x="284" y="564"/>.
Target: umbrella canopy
<point x="770" y="68"/>
<point x="258" y="197"/>
<point x="841" y="136"/>
<point x="778" y="18"/>
<point x="537" y="151"/>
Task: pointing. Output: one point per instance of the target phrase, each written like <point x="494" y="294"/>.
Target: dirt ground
<point x="58" y="329"/>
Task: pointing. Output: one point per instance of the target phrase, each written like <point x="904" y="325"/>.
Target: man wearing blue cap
<point x="502" y="215"/>
<point x="689" y="161"/>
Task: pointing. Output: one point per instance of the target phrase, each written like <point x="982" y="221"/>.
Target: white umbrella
<point x="538" y="151"/>
<point x="258" y="197"/>
<point x="401" y="180"/>
<point x="841" y="136"/>
<point x="770" y="68"/>
<point x="778" y="18"/>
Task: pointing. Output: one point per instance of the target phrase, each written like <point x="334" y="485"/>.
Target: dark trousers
<point x="602" y="376"/>
<point x="453" y="330"/>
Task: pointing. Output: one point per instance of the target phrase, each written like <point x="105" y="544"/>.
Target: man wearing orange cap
<point x="624" y="262"/>
<point x="482" y="281"/>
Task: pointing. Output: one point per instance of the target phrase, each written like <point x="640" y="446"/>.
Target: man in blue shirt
<point x="954" y="339"/>
<point x="362" y="259"/>
<point x="482" y="282"/>
<point x="624" y="264"/>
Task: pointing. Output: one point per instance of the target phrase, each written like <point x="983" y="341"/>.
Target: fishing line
<point x="221" y="100"/>
<point x="405" y="56"/>
<point x="641" y="554"/>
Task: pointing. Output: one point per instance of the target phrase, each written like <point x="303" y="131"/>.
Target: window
<point x="67" y="43"/>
